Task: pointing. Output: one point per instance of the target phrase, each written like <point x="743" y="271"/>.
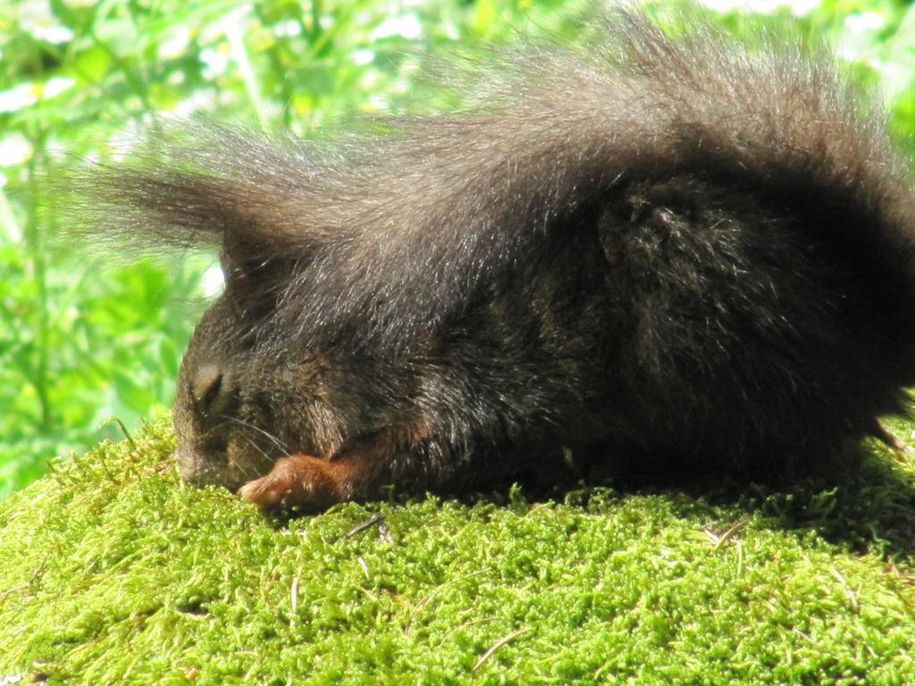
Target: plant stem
<point x="38" y="267"/>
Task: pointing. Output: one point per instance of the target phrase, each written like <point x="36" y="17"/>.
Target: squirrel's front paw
<point x="298" y="480"/>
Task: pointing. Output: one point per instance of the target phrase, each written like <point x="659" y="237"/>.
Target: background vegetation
<point x="87" y="335"/>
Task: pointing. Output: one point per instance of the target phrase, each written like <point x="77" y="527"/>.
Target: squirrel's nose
<point x="213" y="395"/>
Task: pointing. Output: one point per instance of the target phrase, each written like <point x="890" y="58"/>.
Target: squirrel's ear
<point x="255" y="279"/>
<point x="255" y="273"/>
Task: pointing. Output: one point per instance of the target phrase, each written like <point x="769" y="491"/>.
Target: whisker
<point x="248" y="470"/>
<point x="273" y="439"/>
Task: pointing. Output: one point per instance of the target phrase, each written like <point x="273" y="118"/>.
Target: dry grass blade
<point x="498" y="644"/>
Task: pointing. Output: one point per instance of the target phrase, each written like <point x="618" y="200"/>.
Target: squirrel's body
<point x="675" y="246"/>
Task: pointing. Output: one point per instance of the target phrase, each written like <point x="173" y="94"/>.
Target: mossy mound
<point x="112" y="572"/>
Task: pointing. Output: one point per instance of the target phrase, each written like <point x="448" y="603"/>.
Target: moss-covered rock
<point x="113" y="572"/>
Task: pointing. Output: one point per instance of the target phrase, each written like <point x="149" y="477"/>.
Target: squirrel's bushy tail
<point x="401" y="228"/>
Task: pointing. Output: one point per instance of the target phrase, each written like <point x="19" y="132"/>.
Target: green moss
<point x="113" y="572"/>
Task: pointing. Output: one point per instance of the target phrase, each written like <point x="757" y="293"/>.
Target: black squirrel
<point x="677" y="247"/>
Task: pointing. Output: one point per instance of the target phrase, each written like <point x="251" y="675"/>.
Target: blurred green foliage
<point x="88" y="334"/>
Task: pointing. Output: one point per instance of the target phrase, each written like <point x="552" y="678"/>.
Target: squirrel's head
<point x="250" y="389"/>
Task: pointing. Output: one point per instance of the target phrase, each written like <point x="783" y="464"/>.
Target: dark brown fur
<point x="672" y="247"/>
